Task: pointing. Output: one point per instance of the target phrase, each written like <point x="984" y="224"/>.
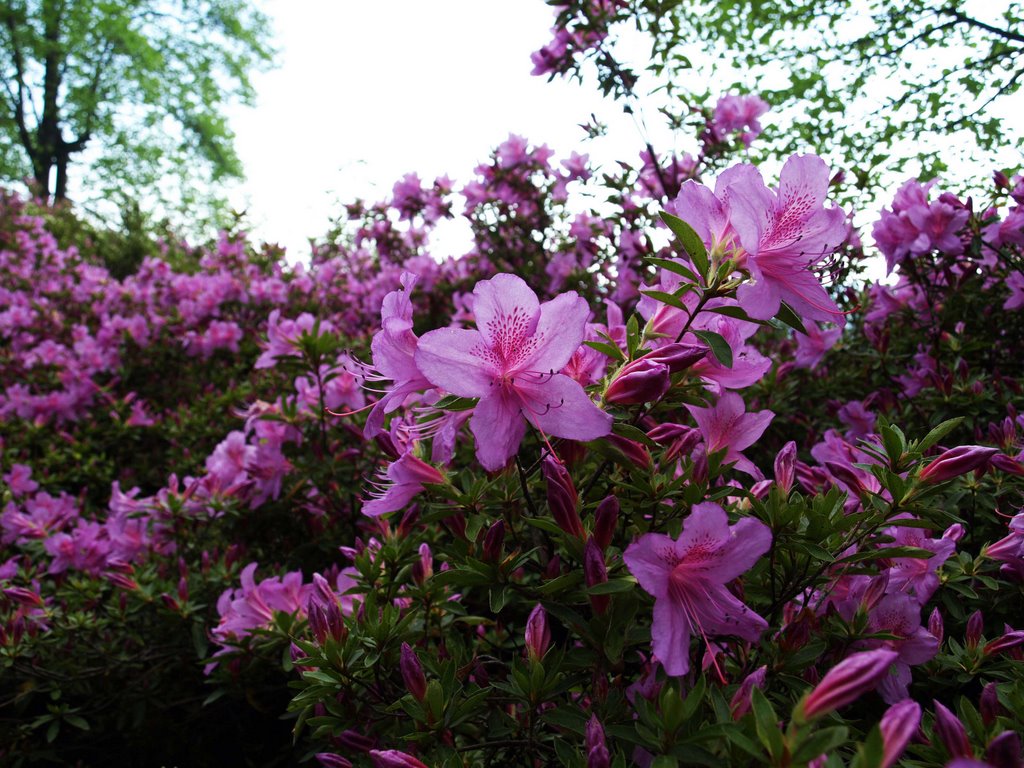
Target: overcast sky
<point x="368" y="91"/>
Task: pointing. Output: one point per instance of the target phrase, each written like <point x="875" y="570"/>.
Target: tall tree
<point x="876" y="82"/>
<point x="124" y="89"/>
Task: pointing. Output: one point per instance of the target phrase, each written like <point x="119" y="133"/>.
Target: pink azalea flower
<point x="406" y="478"/>
<point x="510" y="363"/>
<point x="687" y="578"/>
<point x="727" y="426"/>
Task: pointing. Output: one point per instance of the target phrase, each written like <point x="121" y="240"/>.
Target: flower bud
<point x="597" y="750"/>
<point x="562" y="498"/>
<point x="676" y="356"/>
<point x="1006" y="464"/>
<point x="606" y="518"/>
<point x="975" y="626"/>
<point x="988" y="704"/>
<point x="423" y="568"/>
<point x="412" y="673"/>
<point x="954" y="533"/>
<point x="1004" y="751"/>
<point x="494" y="540"/>
<point x="595" y="572"/>
<point x="641" y="381"/>
<point x="957" y="461"/>
<point x="632" y="450"/>
<point x="935" y="625"/>
<point x="392" y="758"/>
<point x="898" y="725"/>
<point x="183" y="589"/>
<point x="355" y="741"/>
<point x="29" y="598"/>
<point x="847" y="681"/>
<point x="951" y="732"/>
<point x="1008" y="640"/>
<point x="537" y="635"/>
<point x="785" y="466"/>
<point x="330" y="760"/>
<point x="739" y="705"/>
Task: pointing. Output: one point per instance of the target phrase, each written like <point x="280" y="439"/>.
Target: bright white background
<point x="368" y="91"/>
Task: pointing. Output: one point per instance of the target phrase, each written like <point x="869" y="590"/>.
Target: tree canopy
<point x="124" y="90"/>
<point x="874" y="82"/>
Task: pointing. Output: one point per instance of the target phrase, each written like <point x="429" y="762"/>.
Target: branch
<point x="1006" y="34"/>
<point x="19" y="102"/>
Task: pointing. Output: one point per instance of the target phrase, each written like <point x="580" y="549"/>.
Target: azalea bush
<point x="665" y="484"/>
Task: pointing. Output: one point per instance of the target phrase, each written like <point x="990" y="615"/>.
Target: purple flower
<point x="727" y="426"/>
<point x="687" y="578"/>
<point x="511" y="364"/>
<point x="406" y="478"/>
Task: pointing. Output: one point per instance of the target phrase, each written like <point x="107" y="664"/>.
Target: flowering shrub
<point x="571" y="499"/>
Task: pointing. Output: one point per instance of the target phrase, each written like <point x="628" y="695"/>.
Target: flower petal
<point x="559" y="333"/>
<point x="446" y="357"/>
<point x="670" y="637"/>
<point x="498" y="426"/>
<point x="502" y="301"/>
<point x="559" y="406"/>
<point x="651" y="559"/>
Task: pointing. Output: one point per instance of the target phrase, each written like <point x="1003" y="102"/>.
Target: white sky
<point x="366" y="92"/>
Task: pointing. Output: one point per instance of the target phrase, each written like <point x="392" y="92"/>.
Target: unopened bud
<point x="847" y="681"/>
<point x="606" y="518"/>
<point x="412" y="673"/>
<point x="988" y="704"/>
<point x="355" y="741"/>
<point x="1004" y="751"/>
<point x="494" y="541"/>
<point x="392" y="758"/>
<point x="957" y="461"/>
<point x="739" y="705"/>
<point x="330" y="760"/>
<point x="537" y="635"/>
<point x="641" y="381"/>
<point x="1006" y="464"/>
<point x="975" y="626"/>
<point x="785" y="467"/>
<point x="597" y="750"/>
<point x="935" y="625"/>
<point x="595" y="572"/>
<point x="898" y="726"/>
<point x="951" y="732"/>
<point x="562" y="497"/>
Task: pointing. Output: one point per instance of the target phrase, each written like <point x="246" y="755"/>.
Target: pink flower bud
<point x="954" y="533"/>
<point x="957" y="461"/>
<point x="632" y="450"/>
<point x="989" y="704"/>
<point x="785" y="466"/>
<point x="494" y="540"/>
<point x="1008" y="465"/>
<point x="975" y="626"/>
<point x="1008" y="640"/>
<point x="641" y="381"/>
<point x="423" y="568"/>
<point x="848" y="680"/>
<point x="412" y="673"/>
<point x="597" y="750"/>
<point x="951" y="732"/>
<point x="392" y="758"/>
<point x="676" y="356"/>
<point x="355" y="741"/>
<point x="183" y="589"/>
<point x="606" y="518"/>
<point x="595" y="572"/>
<point x="562" y="498"/>
<point x="935" y="625"/>
<point x="739" y="705"/>
<point x="1004" y="751"/>
<point x="330" y="760"/>
<point x="898" y="725"/>
<point x="538" y="635"/>
<point x="27" y="596"/>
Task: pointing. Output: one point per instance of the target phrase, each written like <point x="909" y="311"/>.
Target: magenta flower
<point x="687" y="578"/>
<point x="512" y="363"/>
<point x="400" y="482"/>
<point x="727" y="426"/>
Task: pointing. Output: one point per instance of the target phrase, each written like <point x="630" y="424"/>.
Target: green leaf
<point x="690" y="241"/>
<point x="609" y="350"/>
<point x="719" y="346"/>
<point x="669" y="298"/>
<point x="612" y="586"/>
<point x="633" y="433"/>
<point x="820" y="743"/>
<point x="938" y="433"/>
<point x="77" y="721"/>
<point x="790" y="318"/>
<point x="673" y="266"/>
<point x="767" y="723"/>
